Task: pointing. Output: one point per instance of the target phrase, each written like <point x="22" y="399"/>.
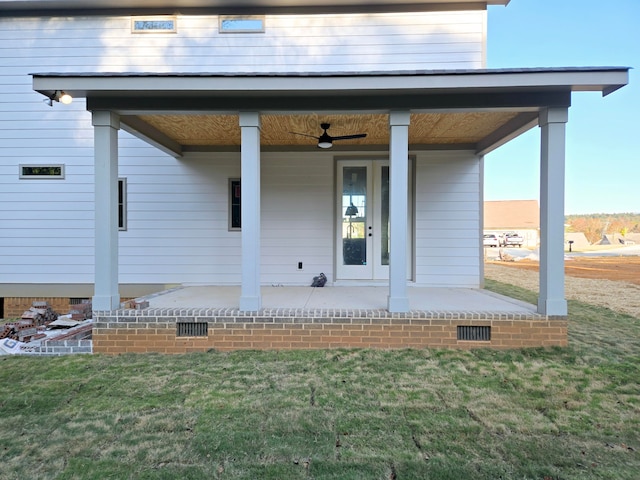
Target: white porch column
<point x="250" y="299"/>
<point x="398" y="300"/>
<point x="551" y="300"/>
<point x="105" y="130"/>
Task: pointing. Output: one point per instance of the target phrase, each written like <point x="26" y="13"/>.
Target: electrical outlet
<point x="299" y="265"/>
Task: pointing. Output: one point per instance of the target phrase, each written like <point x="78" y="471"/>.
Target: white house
<point x="178" y="106"/>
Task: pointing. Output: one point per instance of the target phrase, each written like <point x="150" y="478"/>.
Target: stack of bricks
<point x="81" y="311"/>
<point x="40" y="313"/>
<point x="22" y="330"/>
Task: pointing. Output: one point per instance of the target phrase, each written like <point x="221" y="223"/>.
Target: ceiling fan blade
<point x="349" y="137"/>
<point x="305" y="135"/>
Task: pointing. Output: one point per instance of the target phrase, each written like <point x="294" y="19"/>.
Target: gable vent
<point x="474" y="333"/>
<point x="190" y="329"/>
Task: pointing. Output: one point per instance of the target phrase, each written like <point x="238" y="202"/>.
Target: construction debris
<point x="40" y="322"/>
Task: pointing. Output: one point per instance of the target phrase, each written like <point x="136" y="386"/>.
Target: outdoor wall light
<point x="59" y="96"/>
<point x="65" y="98"/>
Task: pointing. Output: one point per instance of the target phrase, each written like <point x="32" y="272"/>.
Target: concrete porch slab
<point x="344" y="298"/>
<point x="199" y="318"/>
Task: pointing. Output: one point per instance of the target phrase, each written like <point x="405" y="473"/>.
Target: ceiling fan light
<point x="325" y="141"/>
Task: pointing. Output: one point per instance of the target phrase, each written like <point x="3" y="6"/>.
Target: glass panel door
<point x="363" y="233"/>
<point x="384" y="215"/>
<point x="354" y="247"/>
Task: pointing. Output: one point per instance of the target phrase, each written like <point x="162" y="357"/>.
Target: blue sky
<point x="603" y="134"/>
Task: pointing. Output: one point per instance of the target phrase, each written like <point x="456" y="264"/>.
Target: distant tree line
<point x="596" y="225"/>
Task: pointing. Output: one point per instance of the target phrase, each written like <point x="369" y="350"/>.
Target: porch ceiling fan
<point x="325" y="140"/>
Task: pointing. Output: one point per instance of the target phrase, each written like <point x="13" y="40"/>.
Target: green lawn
<point x="570" y="413"/>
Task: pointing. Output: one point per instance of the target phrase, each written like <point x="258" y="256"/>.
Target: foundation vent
<point x="191" y="329"/>
<point x="79" y="301"/>
<point x="474" y="333"/>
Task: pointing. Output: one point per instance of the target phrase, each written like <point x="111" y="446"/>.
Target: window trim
<point x="223" y="18"/>
<point x="122" y="206"/>
<point x="24" y="176"/>
<point x="154" y="18"/>
<point x="234" y="183"/>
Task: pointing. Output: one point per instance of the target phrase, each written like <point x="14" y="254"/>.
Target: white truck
<point x="511" y="239"/>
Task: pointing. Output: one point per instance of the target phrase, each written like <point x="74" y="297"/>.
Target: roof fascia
<point x="376" y="87"/>
<point x="591" y="79"/>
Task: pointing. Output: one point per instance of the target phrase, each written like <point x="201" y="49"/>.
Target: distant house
<point x="253" y="143"/>
<point x="618" y="239"/>
<point x="521" y="216"/>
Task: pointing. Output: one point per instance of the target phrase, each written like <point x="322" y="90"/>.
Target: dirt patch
<point x="612" y="282"/>
<point x="625" y="269"/>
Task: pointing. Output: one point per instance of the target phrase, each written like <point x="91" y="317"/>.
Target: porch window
<point x="122" y="204"/>
<point x="235" y="219"/>
<point x="241" y="24"/>
<point x="42" y="171"/>
<point x="162" y="24"/>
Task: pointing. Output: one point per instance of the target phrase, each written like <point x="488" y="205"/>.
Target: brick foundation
<point x="155" y="330"/>
<point x="14" y="307"/>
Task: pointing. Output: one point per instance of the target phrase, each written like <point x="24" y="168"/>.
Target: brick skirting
<point x="155" y="330"/>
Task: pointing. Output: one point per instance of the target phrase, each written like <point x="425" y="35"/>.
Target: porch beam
<point x="551" y="300"/>
<point x="343" y="100"/>
<point x="398" y="300"/>
<point x="250" y="298"/>
<point x="141" y="129"/>
<point x="517" y="126"/>
<point x="105" y="126"/>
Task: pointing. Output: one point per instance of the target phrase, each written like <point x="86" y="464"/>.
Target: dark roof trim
<point x="52" y="9"/>
<point x="206" y="102"/>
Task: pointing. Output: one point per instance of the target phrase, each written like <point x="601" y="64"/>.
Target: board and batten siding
<point x="177" y="209"/>
<point x="448" y="205"/>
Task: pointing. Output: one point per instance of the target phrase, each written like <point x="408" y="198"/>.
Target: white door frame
<point x="373" y="269"/>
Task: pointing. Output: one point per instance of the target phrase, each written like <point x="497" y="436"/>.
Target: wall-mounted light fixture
<point x="59" y="96"/>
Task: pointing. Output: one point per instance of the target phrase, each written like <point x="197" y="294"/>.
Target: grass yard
<point x="571" y="413"/>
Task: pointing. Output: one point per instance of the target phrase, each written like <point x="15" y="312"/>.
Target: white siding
<point x="447" y="226"/>
<point x="178" y="212"/>
<point x="297" y="217"/>
<point x="290" y="43"/>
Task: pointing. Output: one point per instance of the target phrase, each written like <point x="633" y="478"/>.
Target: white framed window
<point x="122" y="204"/>
<point x="43" y="171"/>
<point x="235" y="205"/>
<point x="159" y="24"/>
<point x="241" y="23"/>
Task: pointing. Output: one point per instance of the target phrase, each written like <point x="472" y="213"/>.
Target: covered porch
<point x="405" y="115"/>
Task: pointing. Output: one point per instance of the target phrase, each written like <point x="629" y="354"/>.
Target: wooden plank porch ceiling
<point x="426" y="129"/>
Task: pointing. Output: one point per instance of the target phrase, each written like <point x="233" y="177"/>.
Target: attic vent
<point x="190" y="329"/>
<point x="473" y="333"/>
